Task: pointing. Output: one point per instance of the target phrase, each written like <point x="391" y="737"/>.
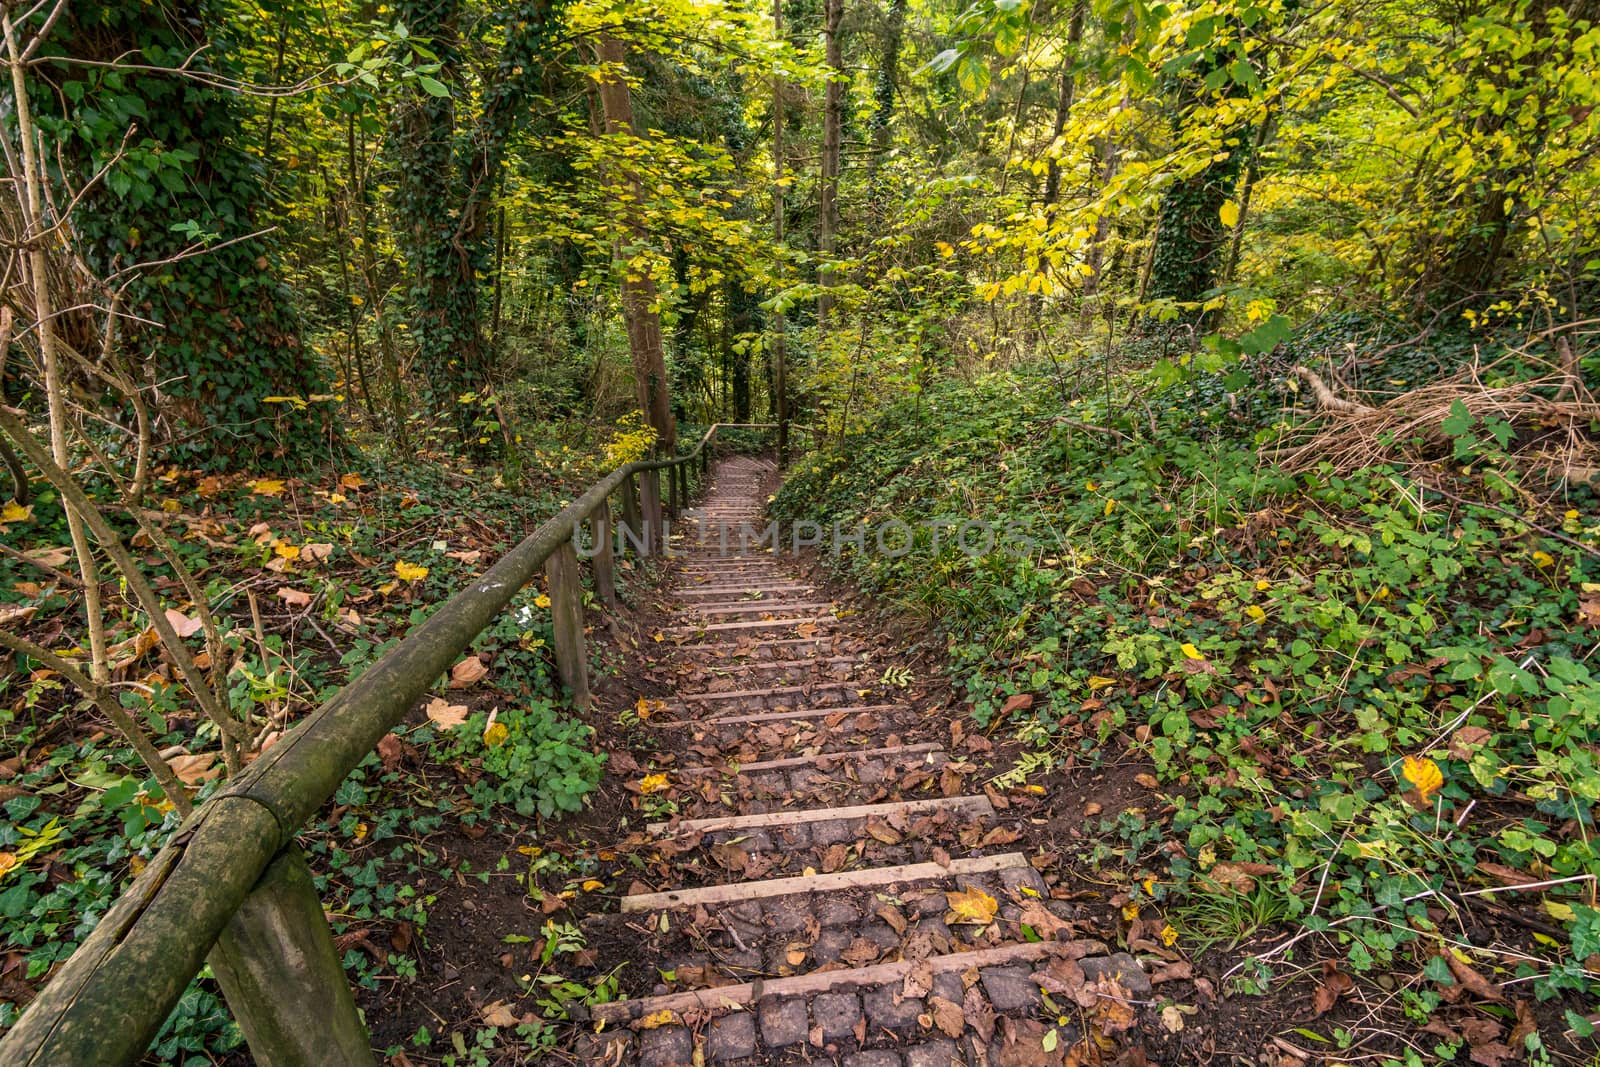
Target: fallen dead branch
<point x="1550" y="418"/>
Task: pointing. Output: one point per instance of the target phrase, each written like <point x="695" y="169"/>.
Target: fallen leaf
<point x="971" y="907"/>
<point x="267" y="487"/>
<point x="1424" y="774"/>
<point x="295" y="598"/>
<point x="947" y="1016"/>
<point x="1474" y="982"/>
<point x="183" y="625"/>
<point x="445" y="715"/>
<point x="467" y="672"/>
<point x="1335" y="984"/>
<point x="192" y="769"/>
<point x="409" y="572"/>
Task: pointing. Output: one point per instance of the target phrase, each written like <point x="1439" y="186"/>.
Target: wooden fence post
<point x="650" y="490"/>
<point x="281" y="974"/>
<point x="603" y="562"/>
<point x="673" y="499"/>
<point x="631" y="519"/>
<point x="566" y="610"/>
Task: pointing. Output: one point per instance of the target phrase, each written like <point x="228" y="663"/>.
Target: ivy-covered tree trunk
<point x="214" y="333"/>
<point x="445" y="193"/>
<point x="887" y="83"/>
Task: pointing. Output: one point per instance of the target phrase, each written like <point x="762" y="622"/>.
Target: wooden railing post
<point x="566" y="610"/>
<point x="279" y="969"/>
<point x="631" y="519"/>
<point x="650" y="491"/>
<point x="673" y="499"/>
<point x="603" y="563"/>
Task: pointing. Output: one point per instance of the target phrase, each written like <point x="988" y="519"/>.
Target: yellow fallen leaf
<point x="654" y="783"/>
<point x="14" y="512"/>
<point x="1424" y="774"/>
<point x="1192" y="652"/>
<point x="410" y="572"/>
<point x="1100" y="681"/>
<point x="1263" y="585"/>
<point x="360" y="833"/>
<point x="1130" y="912"/>
<point x="1111" y="505"/>
<point x="1169" y="936"/>
<point x="971" y="906"/>
<point x="352" y="480"/>
<point x="287" y="551"/>
<point x="1256" y="613"/>
<point x="657" y="1019"/>
<point x="495" y="734"/>
<point x="592" y="884"/>
<point x="541" y="601"/>
<point x="267" y="487"/>
<point x="1543" y="558"/>
<point x="8" y="863"/>
<point x="1561" y="913"/>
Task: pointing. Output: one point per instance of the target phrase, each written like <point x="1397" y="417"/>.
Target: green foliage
<point x="541" y="764"/>
<point x="215" y="332"/>
<point x="1275" y="646"/>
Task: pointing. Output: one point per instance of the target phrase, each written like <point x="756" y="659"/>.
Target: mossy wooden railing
<point x="232" y="889"/>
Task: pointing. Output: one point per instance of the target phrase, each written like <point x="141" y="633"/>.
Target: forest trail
<point x="833" y="886"/>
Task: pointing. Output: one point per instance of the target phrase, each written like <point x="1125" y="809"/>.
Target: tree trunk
<point x="780" y="385"/>
<point x="884" y="92"/>
<point x="639" y="294"/>
<point x="832" y="121"/>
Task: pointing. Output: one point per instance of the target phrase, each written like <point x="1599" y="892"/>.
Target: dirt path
<point x="825" y="879"/>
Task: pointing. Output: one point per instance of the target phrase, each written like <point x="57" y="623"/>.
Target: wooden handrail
<point x="108" y="1001"/>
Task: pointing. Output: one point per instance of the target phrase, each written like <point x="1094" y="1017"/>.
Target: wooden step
<point x="975" y="805"/>
<point x="724" y="590"/>
<point x="780" y="691"/>
<point x="745" y="607"/>
<point x="870" y="878"/>
<point x="929" y="749"/>
<point x="753" y="624"/>
<point x="737" y="717"/>
<point x="738" y="997"/>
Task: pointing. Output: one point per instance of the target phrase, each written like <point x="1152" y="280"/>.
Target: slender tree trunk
<point x="832" y="122"/>
<point x="780" y="385"/>
<point x="639" y="294"/>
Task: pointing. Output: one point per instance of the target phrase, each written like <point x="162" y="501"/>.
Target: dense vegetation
<point x="1272" y="324"/>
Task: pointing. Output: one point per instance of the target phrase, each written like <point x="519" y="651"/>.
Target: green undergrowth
<point x="1275" y="646"/>
<point x="79" y="814"/>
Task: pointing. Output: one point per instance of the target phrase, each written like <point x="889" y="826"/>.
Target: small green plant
<point x="534" y="760"/>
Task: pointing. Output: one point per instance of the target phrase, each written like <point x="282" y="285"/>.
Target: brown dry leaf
<point x="1000" y="835"/>
<point x="182" y="624"/>
<point x="891" y="915"/>
<point x="946" y="1015"/>
<point x="731" y="858"/>
<point x="445" y="715"/>
<point x="1065" y="977"/>
<point x="390" y="750"/>
<point x="979" y="1012"/>
<point x="1023" y="1044"/>
<point x="1238" y="877"/>
<point x="498" y="1014"/>
<point x="1335" y="984"/>
<point x="1471" y="980"/>
<point x="196" y="768"/>
<point x="1045" y="923"/>
<point x="316" y="551"/>
<point x="1493" y="1054"/>
<point x="1016" y="702"/>
<point x="1149" y="781"/>
<point x="1506" y="875"/>
<point x="861" y="952"/>
<point x="295" y="598"/>
<point x="835" y="857"/>
<point x="918" y="981"/>
<point x="468" y="672"/>
<point x="1113" y="1013"/>
<point x="1094" y="807"/>
<point x="1469" y="739"/>
<point x="881" y="831"/>
<point x="971" y="906"/>
<point x="1177" y="971"/>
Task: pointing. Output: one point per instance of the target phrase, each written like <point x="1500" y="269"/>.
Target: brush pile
<point x="1551" y="419"/>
